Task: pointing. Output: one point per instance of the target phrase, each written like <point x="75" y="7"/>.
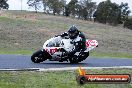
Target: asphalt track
<point x="24" y="62"/>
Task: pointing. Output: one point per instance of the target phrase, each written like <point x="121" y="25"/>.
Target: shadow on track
<point x="63" y="64"/>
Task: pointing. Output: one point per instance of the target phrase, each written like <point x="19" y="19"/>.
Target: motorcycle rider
<point x="78" y="39"/>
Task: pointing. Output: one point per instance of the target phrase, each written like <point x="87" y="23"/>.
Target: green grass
<point x="21" y="52"/>
<point x="61" y="79"/>
<point x="93" y="53"/>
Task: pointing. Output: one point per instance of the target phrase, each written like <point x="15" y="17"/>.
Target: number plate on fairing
<point x="52" y="50"/>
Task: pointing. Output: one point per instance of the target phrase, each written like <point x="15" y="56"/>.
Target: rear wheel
<point x="73" y="60"/>
<point x="38" y="57"/>
<point x="77" y="59"/>
<point x="83" y="56"/>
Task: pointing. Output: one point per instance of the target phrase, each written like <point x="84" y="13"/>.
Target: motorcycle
<point x="57" y="51"/>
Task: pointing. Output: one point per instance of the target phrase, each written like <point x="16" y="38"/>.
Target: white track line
<point x="65" y="68"/>
<point x="75" y="68"/>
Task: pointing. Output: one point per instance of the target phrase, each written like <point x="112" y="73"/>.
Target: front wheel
<point x="37" y="57"/>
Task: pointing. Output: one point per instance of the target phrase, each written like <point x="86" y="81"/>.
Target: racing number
<point x="51" y="51"/>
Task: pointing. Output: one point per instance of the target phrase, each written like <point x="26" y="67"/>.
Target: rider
<point x="78" y="39"/>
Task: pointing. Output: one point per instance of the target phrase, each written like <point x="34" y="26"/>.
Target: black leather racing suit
<point x="79" y="43"/>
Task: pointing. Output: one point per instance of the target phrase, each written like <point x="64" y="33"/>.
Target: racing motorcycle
<point x="57" y="51"/>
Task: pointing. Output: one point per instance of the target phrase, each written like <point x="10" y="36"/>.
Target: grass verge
<point x="24" y="32"/>
<point x="54" y="79"/>
<point x="20" y="52"/>
<point x="94" y="54"/>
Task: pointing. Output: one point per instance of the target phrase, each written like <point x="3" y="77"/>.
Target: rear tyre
<point x="76" y="59"/>
<point x="37" y="57"/>
<point x="73" y="60"/>
<point x="83" y="56"/>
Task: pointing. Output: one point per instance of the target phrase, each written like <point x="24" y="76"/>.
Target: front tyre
<point x="37" y="57"/>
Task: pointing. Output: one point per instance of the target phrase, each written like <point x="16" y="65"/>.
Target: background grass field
<point x="60" y="79"/>
<point x="24" y="32"/>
